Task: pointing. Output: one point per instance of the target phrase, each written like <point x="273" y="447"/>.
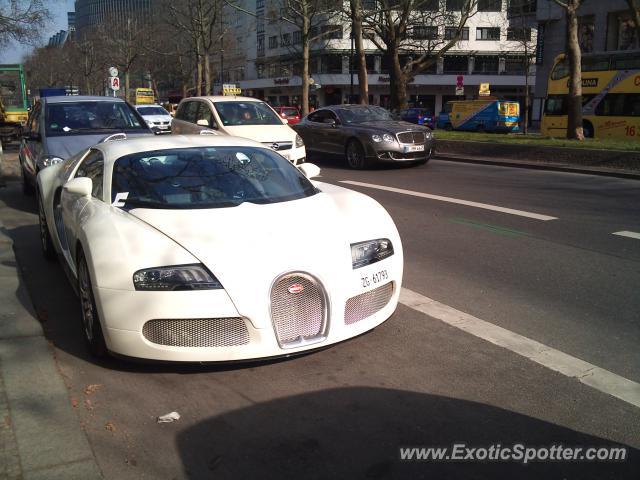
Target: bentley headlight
<point x="51" y="160"/>
<point x="376" y="138"/>
<point x="366" y="253"/>
<point x="299" y="141"/>
<point x="427" y="135"/>
<point x="177" y="277"/>
<point x="388" y="138"/>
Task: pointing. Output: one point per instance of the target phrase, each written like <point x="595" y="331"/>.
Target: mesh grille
<point x="197" y="332"/>
<point x="298" y="315"/>
<point x="411" y="137"/>
<point x="366" y="304"/>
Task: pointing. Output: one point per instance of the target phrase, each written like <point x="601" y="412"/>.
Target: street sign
<point x="114" y="83"/>
<point x="113" y="72"/>
<point x="484" y="90"/>
<point x="460" y="85"/>
<point x="230" y="89"/>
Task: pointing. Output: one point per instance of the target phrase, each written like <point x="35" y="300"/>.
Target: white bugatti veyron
<point x="215" y="248"/>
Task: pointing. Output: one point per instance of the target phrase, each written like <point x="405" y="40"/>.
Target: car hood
<point x="67" y="146"/>
<point x="391" y="126"/>
<point x="157" y="118"/>
<point x="263" y="133"/>
<point x="260" y="242"/>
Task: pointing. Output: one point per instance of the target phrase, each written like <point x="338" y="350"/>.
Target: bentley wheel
<point x="355" y="155"/>
<point x="45" y="237"/>
<point x="91" y="327"/>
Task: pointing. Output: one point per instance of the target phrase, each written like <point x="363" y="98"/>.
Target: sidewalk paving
<point x="40" y="436"/>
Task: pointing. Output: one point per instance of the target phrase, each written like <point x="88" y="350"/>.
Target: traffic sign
<point x="484" y="90"/>
<point x="113" y="72"/>
<point x="114" y="83"/>
<point x="459" y="91"/>
<point x="460" y="81"/>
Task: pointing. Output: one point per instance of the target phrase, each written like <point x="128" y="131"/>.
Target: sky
<point x="58" y="9"/>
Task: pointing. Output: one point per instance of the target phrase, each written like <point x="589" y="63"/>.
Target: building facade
<point x="605" y="28"/>
<point x="266" y="63"/>
<point x="90" y="13"/>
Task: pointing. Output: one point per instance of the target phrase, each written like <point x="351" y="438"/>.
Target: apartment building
<point x="265" y="59"/>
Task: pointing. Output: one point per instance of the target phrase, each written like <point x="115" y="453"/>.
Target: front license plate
<point x="414" y="148"/>
<point x="374" y="278"/>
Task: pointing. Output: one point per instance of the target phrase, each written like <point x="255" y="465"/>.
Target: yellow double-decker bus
<point x="610" y="97"/>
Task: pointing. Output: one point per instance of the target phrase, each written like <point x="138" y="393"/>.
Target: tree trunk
<point x="527" y="69"/>
<point x="635" y="16"/>
<point x="305" y="65"/>
<point x="126" y="86"/>
<point x="363" y="81"/>
<point x="207" y="74"/>
<point x="574" y="110"/>
<point x="397" y="81"/>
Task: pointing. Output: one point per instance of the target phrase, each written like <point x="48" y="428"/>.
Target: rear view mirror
<point x="309" y="170"/>
<point x="203" y="122"/>
<point x="79" y="186"/>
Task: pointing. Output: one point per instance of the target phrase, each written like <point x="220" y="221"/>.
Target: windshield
<point x="82" y="117"/>
<point x="363" y="114"/>
<point x="246" y="113"/>
<point x="152" y="111"/>
<point x="290" y="112"/>
<point x="207" y="177"/>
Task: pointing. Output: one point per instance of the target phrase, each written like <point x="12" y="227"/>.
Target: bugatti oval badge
<point x="295" y="288"/>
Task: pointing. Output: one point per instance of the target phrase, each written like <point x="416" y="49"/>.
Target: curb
<point x="450" y="157"/>
<point x="45" y="439"/>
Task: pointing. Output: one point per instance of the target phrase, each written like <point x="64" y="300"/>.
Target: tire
<point x="356" y="158"/>
<point x="90" y="321"/>
<point x="45" y="237"/>
<point x="587" y="129"/>
<point x="27" y="188"/>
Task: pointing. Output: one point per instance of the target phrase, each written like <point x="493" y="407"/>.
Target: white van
<point x="241" y="117"/>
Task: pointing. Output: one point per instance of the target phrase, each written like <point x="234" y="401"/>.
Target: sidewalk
<point x="41" y="436"/>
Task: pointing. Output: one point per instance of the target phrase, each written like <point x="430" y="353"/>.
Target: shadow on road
<point x="354" y="433"/>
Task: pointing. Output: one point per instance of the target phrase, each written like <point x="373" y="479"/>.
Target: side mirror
<point x="309" y="170"/>
<point x="81" y="186"/>
<point x="32" y="136"/>
<point x="203" y="122"/>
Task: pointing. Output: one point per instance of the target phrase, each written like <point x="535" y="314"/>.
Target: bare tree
<point x="634" y="11"/>
<point x="521" y="40"/>
<point x="574" y="55"/>
<point x="21" y="20"/>
<point x="413" y="26"/>
<point x="356" y="33"/>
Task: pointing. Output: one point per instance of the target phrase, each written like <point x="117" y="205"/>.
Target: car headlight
<point x="388" y="138"/>
<point x="376" y="138"/>
<point x="177" y="277"/>
<point x="366" y="253"/>
<point x="299" y="141"/>
<point x="427" y="135"/>
<point x="50" y="160"/>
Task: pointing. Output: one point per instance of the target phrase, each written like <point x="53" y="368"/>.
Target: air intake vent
<point x="197" y="332"/>
<point x="366" y="304"/>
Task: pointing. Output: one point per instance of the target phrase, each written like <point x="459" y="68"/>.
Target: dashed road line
<point x="628" y="234"/>
<point x="587" y="373"/>
<point x="485" y="206"/>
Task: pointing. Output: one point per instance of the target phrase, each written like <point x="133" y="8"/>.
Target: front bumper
<point x="398" y="152"/>
<point x="125" y="313"/>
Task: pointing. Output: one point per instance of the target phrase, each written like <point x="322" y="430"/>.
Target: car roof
<point x="224" y="98"/>
<point x="115" y="149"/>
<point x="81" y="98"/>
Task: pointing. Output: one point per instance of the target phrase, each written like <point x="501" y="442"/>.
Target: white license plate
<point x="414" y="148"/>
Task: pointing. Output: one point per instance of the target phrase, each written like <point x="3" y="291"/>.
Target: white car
<point x="215" y="248"/>
<point x="242" y="117"/>
<point x="157" y="118"/>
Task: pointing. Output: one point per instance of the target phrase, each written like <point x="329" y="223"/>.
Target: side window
<point x="187" y="111"/>
<point x="612" y="105"/>
<point x="93" y="167"/>
<point x="317" y="117"/>
<point x="204" y="113"/>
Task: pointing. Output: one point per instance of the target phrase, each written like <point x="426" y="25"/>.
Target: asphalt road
<point x="345" y="411"/>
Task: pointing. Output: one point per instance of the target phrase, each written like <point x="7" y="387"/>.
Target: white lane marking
<point x="486" y="206"/>
<point x="626" y="233"/>
<point x="596" y="377"/>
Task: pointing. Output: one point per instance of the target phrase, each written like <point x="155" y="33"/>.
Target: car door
<point x="31" y="146"/>
<point x="72" y="205"/>
<point x="185" y="120"/>
<point x="334" y="133"/>
<point x="204" y="114"/>
<point x="310" y="130"/>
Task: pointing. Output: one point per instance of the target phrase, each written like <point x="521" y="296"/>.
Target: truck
<point x="14" y="107"/>
<point x="483" y="115"/>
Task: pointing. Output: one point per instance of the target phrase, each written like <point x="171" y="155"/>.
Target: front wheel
<point x="91" y="327"/>
<point x="355" y="155"/>
<point x="45" y="237"/>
